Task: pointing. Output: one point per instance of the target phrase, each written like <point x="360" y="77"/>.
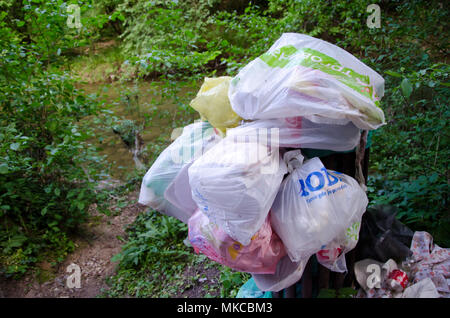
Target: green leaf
<point x="346" y="292"/>
<point x="80" y="205"/>
<point x="15" y="146"/>
<point x="16" y="241"/>
<point x="4" y="168"/>
<point x="327" y="293"/>
<point x="392" y="73"/>
<point x="406" y="88"/>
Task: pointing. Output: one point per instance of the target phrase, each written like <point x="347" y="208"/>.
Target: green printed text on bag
<point x="288" y="56"/>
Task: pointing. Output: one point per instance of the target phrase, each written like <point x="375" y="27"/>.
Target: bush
<point x="47" y="173"/>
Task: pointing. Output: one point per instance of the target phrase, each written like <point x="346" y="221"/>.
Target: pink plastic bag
<point x="259" y="257"/>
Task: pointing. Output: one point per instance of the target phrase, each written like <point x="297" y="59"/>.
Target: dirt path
<point x="95" y="247"/>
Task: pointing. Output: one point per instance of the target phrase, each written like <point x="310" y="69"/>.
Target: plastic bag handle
<point x="293" y="159"/>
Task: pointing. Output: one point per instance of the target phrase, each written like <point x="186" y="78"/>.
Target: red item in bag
<point x="397" y="280"/>
<point x="259" y="257"/>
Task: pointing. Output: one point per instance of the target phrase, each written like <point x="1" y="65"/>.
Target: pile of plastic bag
<point x="238" y="178"/>
<point x="396" y="262"/>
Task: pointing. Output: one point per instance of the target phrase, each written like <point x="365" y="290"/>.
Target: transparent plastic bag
<point x="298" y="132"/>
<point x="303" y="76"/>
<point x="332" y="255"/>
<point x="261" y="255"/>
<point x="195" y="139"/>
<point x="213" y="105"/>
<point x="235" y="183"/>
<point x="286" y="274"/>
<point x="314" y="205"/>
<point x="179" y="192"/>
<point x="250" y="290"/>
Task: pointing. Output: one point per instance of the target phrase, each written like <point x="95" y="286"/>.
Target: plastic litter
<point x="332" y="255"/>
<point x="314" y="205"/>
<point x="303" y="76"/>
<point x="195" y="139"/>
<point x="383" y="236"/>
<point x="213" y="104"/>
<point x="250" y="290"/>
<point x="287" y="273"/>
<point x="423" y="289"/>
<point x="178" y="193"/>
<point x="241" y="208"/>
<point x="260" y="256"/>
<point x="430" y="261"/>
<point x="378" y="280"/>
<point x="235" y="183"/>
<point x="397" y="280"/>
<point x="298" y="132"/>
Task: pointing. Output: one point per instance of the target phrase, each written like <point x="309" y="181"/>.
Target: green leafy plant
<point x="232" y="281"/>
<point x="47" y="172"/>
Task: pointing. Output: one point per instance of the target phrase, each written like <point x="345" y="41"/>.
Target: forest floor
<point x="97" y="242"/>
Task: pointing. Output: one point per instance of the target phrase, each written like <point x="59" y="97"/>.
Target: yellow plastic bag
<point x="213" y="105"/>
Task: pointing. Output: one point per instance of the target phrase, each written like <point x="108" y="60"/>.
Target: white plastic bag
<point x="287" y="273"/>
<point x="195" y="140"/>
<point x="235" y="183"/>
<point x="332" y="255"/>
<point x="298" y="132"/>
<point x="314" y="205"/>
<point x="179" y="192"/>
<point x="304" y="76"/>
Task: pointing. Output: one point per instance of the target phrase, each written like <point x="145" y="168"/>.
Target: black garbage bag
<point x="383" y="236"/>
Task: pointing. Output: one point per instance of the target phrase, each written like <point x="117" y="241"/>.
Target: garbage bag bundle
<point x="178" y="192"/>
<point x="261" y="255"/>
<point x="303" y="76"/>
<point x="332" y="255"/>
<point x="383" y="236"/>
<point x="195" y="139"/>
<point x="299" y="132"/>
<point x="286" y="274"/>
<point x="235" y="183"/>
<point x="213" y="105"/>
<point x="314" y="205"/>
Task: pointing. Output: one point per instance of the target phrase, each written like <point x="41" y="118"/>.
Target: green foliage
<point x="232" y="281"/>
<point x="346" y="292"/>
<point x="143" y="246"/>
<point x="154" y="260"/>
<point x="410" y="153"/>
<point x="204" y="39"/>
<point x="45" y="167"/>
<point x="147" y="26"/>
